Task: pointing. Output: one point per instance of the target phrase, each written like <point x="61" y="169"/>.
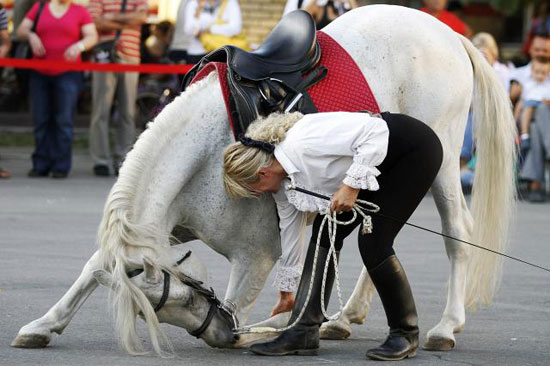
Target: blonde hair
<point x="241" y="163"/>
<point x="486" y="40"/>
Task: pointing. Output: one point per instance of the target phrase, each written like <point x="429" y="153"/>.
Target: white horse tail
<point x="493" y="195"/>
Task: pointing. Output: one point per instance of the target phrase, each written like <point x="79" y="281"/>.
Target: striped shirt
<point x="3" y="20"/>
<point x="128" y="47"/>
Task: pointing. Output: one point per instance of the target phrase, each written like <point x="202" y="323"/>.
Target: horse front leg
<point x="355" y="310"/>
<point x="37" y="334"/>
<point x="247" y="279"/>
<point x="457" y="222"/>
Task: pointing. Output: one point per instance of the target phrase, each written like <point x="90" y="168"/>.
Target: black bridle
<point x="196" y="285"/>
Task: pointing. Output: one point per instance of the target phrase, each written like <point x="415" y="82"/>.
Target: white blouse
<point x="319" y="153"/>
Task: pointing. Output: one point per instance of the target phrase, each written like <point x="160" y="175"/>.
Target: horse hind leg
<point x="38" y="333"/>
<point x="355" y="311"/>
<point x="456" y="222"/>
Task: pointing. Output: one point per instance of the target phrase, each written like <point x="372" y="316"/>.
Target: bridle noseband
<point x="196" y="285"/>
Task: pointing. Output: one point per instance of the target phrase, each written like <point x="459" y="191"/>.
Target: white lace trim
<point x="304" y="202"/>
<point x="362" y="177"/>
<point x="288" y="278"/>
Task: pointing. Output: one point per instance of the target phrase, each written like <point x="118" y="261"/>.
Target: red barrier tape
<point x="90" y="66"/>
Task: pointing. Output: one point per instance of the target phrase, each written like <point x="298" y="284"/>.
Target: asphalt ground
<point x="47" y="233"/>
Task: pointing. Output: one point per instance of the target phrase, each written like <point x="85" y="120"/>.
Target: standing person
<point x="106" y="86"/>
<point x="324" y="12"/>
<point x="64" y="30"/>
<point x="5" y="41"/>
<point x="437" y="8"/>
<point x="201" y="17"/>
<point x="20" y="9"/>
<point x="5" y="44"/>
<point x="180" y="41"/>
<point x="390" y="161"/>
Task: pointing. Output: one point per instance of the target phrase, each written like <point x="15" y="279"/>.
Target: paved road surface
<point x="48" y="232"/>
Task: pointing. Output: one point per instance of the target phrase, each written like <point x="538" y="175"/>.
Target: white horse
<point x="171" y="183"/>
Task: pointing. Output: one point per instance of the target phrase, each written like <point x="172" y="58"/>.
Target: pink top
<point x="58" y="34"/>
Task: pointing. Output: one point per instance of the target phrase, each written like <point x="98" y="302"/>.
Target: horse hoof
<point x="31" y="341"/>
<point x="439" y="344"/>
<point x="334" y="331"/>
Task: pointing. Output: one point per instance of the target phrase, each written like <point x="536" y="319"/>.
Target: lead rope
<point x="332" y="224"/>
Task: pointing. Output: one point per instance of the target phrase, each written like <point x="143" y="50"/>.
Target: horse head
<point x="179" y="298"/>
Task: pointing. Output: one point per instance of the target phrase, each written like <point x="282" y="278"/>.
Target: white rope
<point x="332" y="225"/>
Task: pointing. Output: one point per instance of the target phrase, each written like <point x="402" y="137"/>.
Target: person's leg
<point x="41" y="110"/>
<point x="66" y="88"/>
<point x="103" y="91"/>
<point x="413" y="161"/>
<point x="126" y="130"/>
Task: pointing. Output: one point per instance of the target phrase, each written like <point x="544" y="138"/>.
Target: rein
<point x="196" y="285"/>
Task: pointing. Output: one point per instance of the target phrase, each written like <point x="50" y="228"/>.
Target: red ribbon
<point x="90" y="66"/>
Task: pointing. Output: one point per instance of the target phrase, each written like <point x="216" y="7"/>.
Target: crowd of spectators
<point x="116" y="26"/>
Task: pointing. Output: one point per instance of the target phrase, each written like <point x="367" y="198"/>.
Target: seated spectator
<point x="156" y="45"/>
<point x="324" y="12"/>
<point x="488" y="47"/>
<point x="437" y="8"/>
<point x="210" y="16"/>
<point x="539" y="152"/>
<point x="539" y="49"/>
<point x="534" y="93"/>
<point x="53" y="92"/>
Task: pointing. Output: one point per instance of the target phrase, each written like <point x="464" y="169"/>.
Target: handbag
<point x="23" y="49"/>
<point x="212" y="42"/>
<point x="105" y="52"/>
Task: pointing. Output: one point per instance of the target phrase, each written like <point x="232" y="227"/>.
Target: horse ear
<point x="104" y="278"/>
<point x="152" y="274"/>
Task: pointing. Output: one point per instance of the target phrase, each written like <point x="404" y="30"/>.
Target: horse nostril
<point x="236" y="338"/>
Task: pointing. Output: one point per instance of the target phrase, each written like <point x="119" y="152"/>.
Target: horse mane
<point x="119" y="232"/>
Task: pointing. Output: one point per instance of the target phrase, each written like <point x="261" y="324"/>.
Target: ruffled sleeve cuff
<point x="362" y="177"/>
<point x="288" y="278"/>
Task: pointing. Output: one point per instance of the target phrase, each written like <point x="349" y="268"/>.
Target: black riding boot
<point x="393" y="287"/>
<point x="303" y="338"/>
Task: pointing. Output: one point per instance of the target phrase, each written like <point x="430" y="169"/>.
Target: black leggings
<point x="409" y="169"/>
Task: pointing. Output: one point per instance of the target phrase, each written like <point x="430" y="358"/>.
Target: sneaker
<point x="535" y="196"/>
<point x="101" y="170"/>
<point x="33" y="173"/>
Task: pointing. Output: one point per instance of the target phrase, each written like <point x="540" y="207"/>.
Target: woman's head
<point x="487" y="45"/>
<point x="249" y="170"/>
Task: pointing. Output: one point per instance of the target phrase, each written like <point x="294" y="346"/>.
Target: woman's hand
<point x="344" y="199"/>
<point x="285" y="303"/>
<point x="72" y="53"/>
<point x="36" y="45"/>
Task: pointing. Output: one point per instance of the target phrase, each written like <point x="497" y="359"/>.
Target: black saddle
<point x="270" y="79"/>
